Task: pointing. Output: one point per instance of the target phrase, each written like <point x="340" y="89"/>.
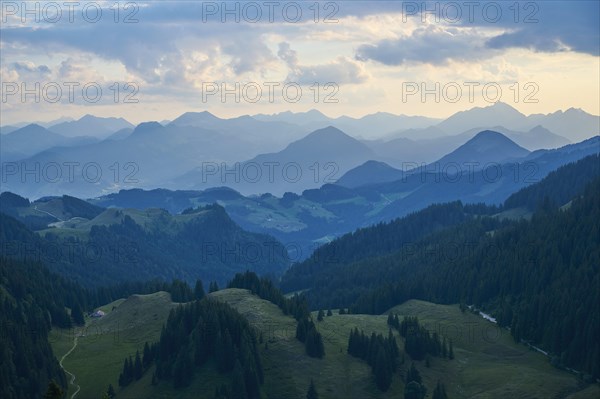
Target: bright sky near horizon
<point x="156" y="60"/>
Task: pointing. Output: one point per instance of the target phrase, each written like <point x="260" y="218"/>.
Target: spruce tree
<point x="314" y="344"/>
<point x="111" y="391"/>
<point x="440" y="391"/>
<point x="138" y="369"/>
<point x="414" y="390"/>
<point x="383" y="373"/>
<point x="444" y="348"/>
<point x="77" y="315"/>
<point x="413" y="375"/>
<point x="127" y="375"/>
<point x="238" y="383"/>
<point x="312" y="391"/>
<point x="213" y="287"/>
<point x="147" y="356"/>
<point x="198" y="290"/>
<point x="54" y="391"/>
<point x="183" y="368"/>
<point x="321" y="315"/>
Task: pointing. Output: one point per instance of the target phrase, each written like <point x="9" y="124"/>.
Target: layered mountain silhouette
<point x="486" y="147"/>
<point x="317" y="215"/>
<point x="90" y="125"/>
<point x="31" y="139"/>
<point x="320" y="157"/>
<point x="371" y="172"/>
<point x="314" y="148"/>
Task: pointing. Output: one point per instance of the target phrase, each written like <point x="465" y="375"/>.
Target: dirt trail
<point x="72" y="382"/>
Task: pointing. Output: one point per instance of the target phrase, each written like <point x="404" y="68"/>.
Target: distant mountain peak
<point x="370" y="172"/>
<point x="376" y="163"/>
<point x="328" y="130"/>
<point x="33" y="126"/>
<point x="146" y="127"/>
<point x="573" y="110"/>
<point x="193" y="118"/>
<point x="495" y="114"/>
<point x="327" y="135"/>
<point x="489" y="134"/>
<point x="502" y="108"/>
<point x="93" y="118"/>
<point x="489" y="139"/>
<point x="539" y="129"/>
<point x="487" y="146"/>
<point x="501" y="104"/>
<point x="199" y="114"/>
<point x="315" y="112"/>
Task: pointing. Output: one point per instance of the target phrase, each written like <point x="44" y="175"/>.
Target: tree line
<point x="381" y="353"/>
<point x="206" y="330"/>
<point x="306" y="331"/>
<point x="418" y="341"/>
<point x="539" y="277"/>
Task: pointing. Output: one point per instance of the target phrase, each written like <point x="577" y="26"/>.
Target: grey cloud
<point x="287" y="54"/>
<point x="426" y="45"/>
<point x="341" y="71"/>
<point x="153" y="47"/>
<point x="30" y="68"/>
<point x="553" y="26"/>
<point x="28" y="71"/>
<point x="574" y="25"/>
<point x="248" y="55"/>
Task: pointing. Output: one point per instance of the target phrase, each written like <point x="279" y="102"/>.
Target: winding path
<point x="72" y="382"/>
<point x="47" y="213"/>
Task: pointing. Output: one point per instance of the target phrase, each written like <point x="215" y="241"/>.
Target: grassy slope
<point x="104" y="343"/>
<point x="150" y="219"/>
<point x="288" y="370"/>
<point x="488" y="363"/>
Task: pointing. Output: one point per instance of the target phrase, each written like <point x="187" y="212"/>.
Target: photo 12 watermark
<point x="269" y="92"/>
<point x="454" y="92"/>
<point x="73" y="252"/>
<point x="268" y="172"/>
<point x="526" y="172"/>
<point x="470" y="12"/>
<point x="69" y="92"/>
<point x="92" y="172"/>
<point x="54" y="12"/>
<point x="291" y="12"/>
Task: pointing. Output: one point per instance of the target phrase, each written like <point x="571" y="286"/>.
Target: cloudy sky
<point x="155" y="60"/>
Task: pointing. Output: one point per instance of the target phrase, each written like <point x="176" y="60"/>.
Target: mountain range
<point x="204" y="150"/>
<point x="325" y="216"/>
<point x="90" y="125"/>
<point x="316" y="159"/>
<point x="361" y="198"/>
<point x="70" y="234"/>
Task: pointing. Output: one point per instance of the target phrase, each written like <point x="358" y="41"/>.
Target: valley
<point x="300" y="200"/>
<point x="487" y="363"/>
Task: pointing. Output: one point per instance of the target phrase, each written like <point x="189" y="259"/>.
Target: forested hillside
<point x="128" y="245"/>
<point x="559" y="186"/>
<point x="34" y="300"/>
<point x="197" y="333"/>
<point x="538" y="277"/>
<point x="380" y="239"/>
<point x="31" y="299"/>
